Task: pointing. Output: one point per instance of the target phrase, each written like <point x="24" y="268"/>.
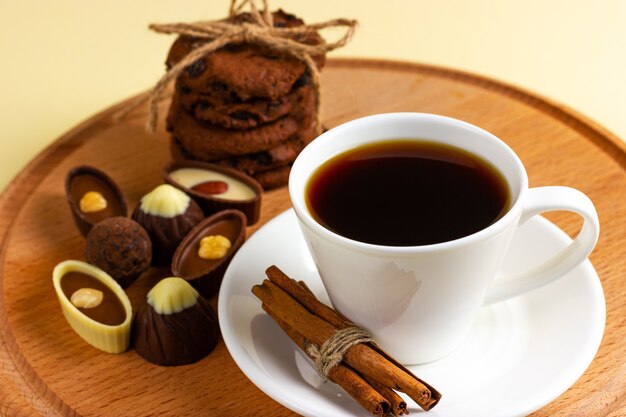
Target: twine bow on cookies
<point x="261" y="32"/>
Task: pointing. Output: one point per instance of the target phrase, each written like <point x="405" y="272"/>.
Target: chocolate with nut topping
<point x="110" y="311"/>
<point x="205" y="273"/>
<point x="84" y="182"/>
<point x="200" y="181"/>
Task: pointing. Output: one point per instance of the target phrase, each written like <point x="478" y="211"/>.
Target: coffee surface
<point x="406" y="193"/>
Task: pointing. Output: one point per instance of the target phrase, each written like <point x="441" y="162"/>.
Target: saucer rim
<point x="279" y="394"/>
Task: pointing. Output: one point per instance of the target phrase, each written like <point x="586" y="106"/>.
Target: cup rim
<point x="297" y="196"/>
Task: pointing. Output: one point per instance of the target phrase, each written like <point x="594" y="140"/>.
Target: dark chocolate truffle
<point x="167" y="214"/>
<point x="175" y="325"/>
<point x="120" y="247"/>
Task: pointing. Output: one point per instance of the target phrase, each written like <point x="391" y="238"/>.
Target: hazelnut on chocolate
<point x="167" y="214"/>
<point x="120" y="247"/>
<point x="94" y="305"/>
<point x="92" y="196"/>
<point x="203" y="256"/>
<point x="175" y="325"/>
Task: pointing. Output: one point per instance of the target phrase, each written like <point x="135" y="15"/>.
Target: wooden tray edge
<point x="22" y="392"/>
<point x="21" y="389"/>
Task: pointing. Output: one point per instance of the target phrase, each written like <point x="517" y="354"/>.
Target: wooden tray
<point x="46" y="369"/>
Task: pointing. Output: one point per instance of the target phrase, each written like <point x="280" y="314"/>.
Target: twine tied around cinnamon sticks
<point x="365" y="372"/>
<point x="261" y="32"/>
<point x="330" y="354"/>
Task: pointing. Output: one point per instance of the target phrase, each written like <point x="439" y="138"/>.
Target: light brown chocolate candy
<point x="205" y="273"/>
<point x="92" y="196"/>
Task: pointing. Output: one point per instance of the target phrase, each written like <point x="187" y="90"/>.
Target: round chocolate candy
<point x="121" y="247"/>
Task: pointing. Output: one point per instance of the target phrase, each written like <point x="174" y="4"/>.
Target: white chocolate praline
<point x="172" y="295"/>
<point x="165" y="201"/>
<point x="190" y="177"/>
<point x="112" y="339"/>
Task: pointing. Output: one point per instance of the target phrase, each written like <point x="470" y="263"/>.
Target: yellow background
<point x="63" y="60"/>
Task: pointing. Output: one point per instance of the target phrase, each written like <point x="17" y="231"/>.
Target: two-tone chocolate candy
<point x="175" y="325"/>
<point x="216" y="187"/>
<point x="167" y="214"/>
<point x="95" y="306"/>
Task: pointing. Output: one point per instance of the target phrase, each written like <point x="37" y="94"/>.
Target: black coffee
<point x="406" y="193"/>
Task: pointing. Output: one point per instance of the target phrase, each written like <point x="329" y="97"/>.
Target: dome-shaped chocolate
<point x="120" y="247"/>
<point x="167" y="214"/>
<point x="175" y="325"/>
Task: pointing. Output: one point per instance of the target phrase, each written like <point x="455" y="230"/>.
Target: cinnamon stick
<point x="368" y="397"/>
<point x="362" y="358"/>
<point x="398" y="405"/>
<point x="301" y="293"/>
<point x="304" y="296"/>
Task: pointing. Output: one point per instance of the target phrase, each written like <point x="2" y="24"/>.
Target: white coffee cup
<point x="420" y="301"/>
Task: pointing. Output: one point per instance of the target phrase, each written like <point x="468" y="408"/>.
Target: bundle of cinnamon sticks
<point x="365" y="372"/>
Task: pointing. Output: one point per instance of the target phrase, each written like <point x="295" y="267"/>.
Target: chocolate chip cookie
<point x="244" y="70"/>
<point x="210" y="142"/>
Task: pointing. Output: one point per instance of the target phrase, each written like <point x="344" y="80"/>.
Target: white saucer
<point x="520" y="355"/>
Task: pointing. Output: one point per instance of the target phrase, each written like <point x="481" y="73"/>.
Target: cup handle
<point x="540" y="200"/>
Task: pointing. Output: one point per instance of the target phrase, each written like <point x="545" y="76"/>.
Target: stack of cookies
<point x="244" y="105"/>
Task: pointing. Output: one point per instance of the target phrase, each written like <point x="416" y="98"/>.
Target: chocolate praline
<point x="175" y="325"/>
<point x="120" y="247"/>
<point x="241" y="192"/>
<point x="203" y="274"/>
<point x="84" y="179"/>
<point x="105" y="323"/>
<point x="167" y="214"/>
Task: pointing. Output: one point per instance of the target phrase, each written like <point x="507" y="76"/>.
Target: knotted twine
<point x="330" y="354"/>
<point x="261" y="32"/>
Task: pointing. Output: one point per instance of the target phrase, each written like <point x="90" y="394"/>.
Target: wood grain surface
<point x="46" y="369"/>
